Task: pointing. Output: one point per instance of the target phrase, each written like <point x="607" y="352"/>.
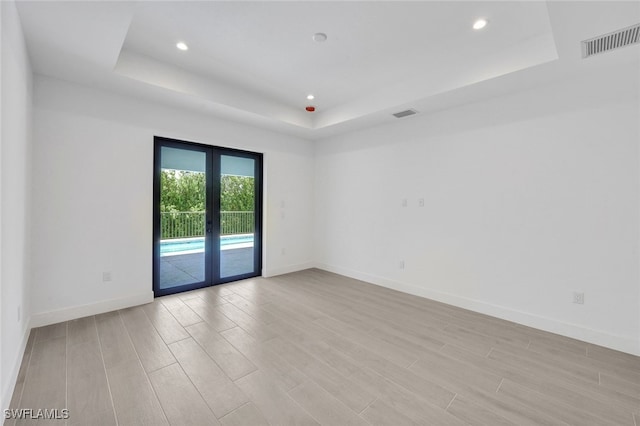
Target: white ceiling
<point x="255" y="62"/>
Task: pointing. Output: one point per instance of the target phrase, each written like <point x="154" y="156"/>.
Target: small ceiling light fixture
<point x="319" y="37"/>
<point x="182" y="46"/>
<point x="480" y="24"/>
<point x="311" y="97"/>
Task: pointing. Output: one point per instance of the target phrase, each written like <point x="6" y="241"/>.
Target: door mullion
<point x="214" y="205"/>
<point x="211" y="221"/>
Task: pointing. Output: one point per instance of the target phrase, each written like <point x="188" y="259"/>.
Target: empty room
<point x="320" y="213"/>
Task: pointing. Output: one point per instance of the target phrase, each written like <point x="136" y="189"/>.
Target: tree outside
<point x="182" y="204"/>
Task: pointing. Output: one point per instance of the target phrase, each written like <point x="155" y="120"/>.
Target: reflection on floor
<point x="189" y="268"/>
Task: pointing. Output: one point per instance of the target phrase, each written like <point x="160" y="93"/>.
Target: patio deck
<point x="183" y="269"/>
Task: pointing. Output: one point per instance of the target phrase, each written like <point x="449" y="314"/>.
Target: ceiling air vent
<point x="406" y="113"/>
<point x="611" y="41"/>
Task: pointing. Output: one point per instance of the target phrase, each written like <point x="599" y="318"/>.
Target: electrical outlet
<point x="106" y="276"/>
<point x="401" y="264"/>
<point x="578" y="298"/>
<point x="421" y="202"/>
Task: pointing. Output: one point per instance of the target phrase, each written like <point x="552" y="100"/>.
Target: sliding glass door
<point x="207" y="215"/>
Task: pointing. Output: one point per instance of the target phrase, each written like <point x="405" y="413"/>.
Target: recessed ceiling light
<point x="480" y="24"/>
<point x="182" y="46"/>
<point x="311" y="97"/>
<point x="319" y="37"/>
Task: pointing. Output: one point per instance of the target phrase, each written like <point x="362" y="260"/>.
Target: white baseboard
<point x="9" y="386"/>
<point x="272" y="272"/>
<point x="75" y="312"/>
<point x="597" y="337"/>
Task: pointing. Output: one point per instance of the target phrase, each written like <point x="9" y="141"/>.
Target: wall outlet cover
<point x="578" y="298"/>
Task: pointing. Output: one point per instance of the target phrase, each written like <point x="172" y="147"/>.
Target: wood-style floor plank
<point x="454" y="375"/>
<point x="323" y="407"/>
<point x="166" y="324"/>
<point x="617" y="384"/>
<point x="475" y="414"/>
<point x="183" y="313"/>
<point x="209" y="314"/>
<point x="557" y="408"/>
<point x="610" y="356"/>
<point x="257" y="328"/>
<point x="115" y="342"/>
<point x="87" y="386"/>
<point x="567" y="389"/>
<point x="180" y="400"/>
<point x="522" y="414"/>
<point x="345" y="390"/>
<point x="318" y="348"/>
<point x="216" y="295"/>
<point x="22" y="374"/>
<point x="82" y="330"/>
<point x="246" y="415"/>
<point x="232" y="362"/>
<point x="51" y="331"/>
<point x="250" y="308"/>
<point x="413" y="406"/>
<point x="533" y="361"/>
<point x="277" y="407"/>
<point x="401" y="356"/>
<point x="380" y="413"/>
<point x="134" y="400"/>
<point x="281" y="373"/>
<point x="435" y="393"/>
<point x="45" y="381"/>
<point x="151" y="349"/>
<point x="218" y="391"/>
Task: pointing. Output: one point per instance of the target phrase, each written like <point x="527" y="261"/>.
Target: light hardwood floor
<point x="317" y="348"/>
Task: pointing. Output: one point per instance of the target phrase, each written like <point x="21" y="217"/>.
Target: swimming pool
<point x="196" y="245"/>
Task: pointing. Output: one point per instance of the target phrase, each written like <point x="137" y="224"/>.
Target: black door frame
<point x="212" y="215"/>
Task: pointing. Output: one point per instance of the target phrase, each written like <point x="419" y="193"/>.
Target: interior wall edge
<point x="272" y="272"/>
<point x="16" y="117"/>
<point x="596" y="337"/>
<point x="9" y="386"/>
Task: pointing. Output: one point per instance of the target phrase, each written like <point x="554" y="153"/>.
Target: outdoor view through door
<point x="207" y="215"/>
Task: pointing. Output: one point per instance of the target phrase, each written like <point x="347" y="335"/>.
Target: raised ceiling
<point x="255" y="62"/>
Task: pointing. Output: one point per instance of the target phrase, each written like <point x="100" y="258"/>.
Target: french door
<point x="207" y="215"/>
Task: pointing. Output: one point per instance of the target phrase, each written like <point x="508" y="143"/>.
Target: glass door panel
<point x="182" y="217"/>
<point x="237" y="215"/>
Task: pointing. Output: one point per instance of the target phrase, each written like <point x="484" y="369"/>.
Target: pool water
<point x="196" y="245"/>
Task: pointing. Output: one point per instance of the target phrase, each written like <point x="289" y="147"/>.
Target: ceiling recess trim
<point x="611" y="41"/>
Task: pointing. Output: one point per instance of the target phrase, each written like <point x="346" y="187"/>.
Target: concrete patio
<point x="184" y="269"/>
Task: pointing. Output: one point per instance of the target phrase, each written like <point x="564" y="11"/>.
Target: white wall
<point x="15" y="183"/>
<point x="528" y="198"/>
<point x="93" y="170"/>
